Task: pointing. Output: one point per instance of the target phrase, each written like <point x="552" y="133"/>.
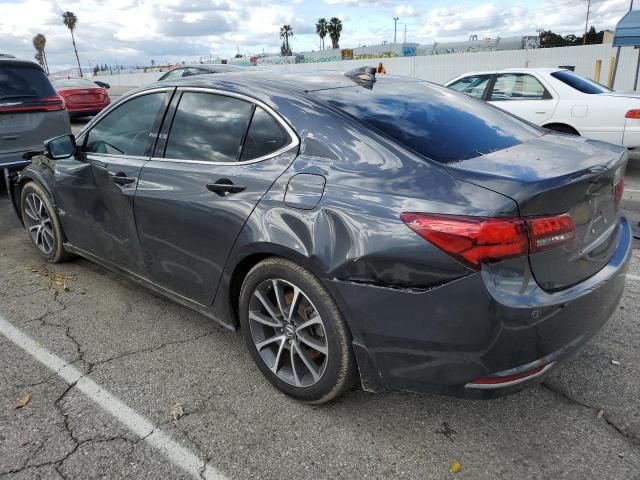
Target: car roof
<point x="5" y="61"/>
<point x="287" y="81"/>
<point x="513" y="69"/>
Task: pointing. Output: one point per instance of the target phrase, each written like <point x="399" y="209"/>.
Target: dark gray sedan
<point x="390" y="231"/>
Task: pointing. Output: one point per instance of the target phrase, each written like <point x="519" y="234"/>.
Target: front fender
<point x="39" y="171"/>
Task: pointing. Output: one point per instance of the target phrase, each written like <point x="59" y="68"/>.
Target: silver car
<point x="30" y="111"/>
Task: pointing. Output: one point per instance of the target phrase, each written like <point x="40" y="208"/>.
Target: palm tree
<point x="335" y="29"/>
<point x="70" y="21"/>
<point x="39" y="42"/>
<point x="285" y="32"/>
<point x="321" y="30"/>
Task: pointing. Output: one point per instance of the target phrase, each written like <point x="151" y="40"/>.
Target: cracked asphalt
<point x="153" y="355"/>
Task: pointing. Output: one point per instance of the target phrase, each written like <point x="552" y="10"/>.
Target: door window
<point x="265" y="136"/>
<point x="125" y="130"/>
<point x="208" y="127"/>
<point x="518" y="86"/>
<point x="474" y="86"/>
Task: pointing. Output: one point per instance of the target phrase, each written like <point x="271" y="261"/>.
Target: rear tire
<point x="42" y="223"/>
<point x="304" y="351"/>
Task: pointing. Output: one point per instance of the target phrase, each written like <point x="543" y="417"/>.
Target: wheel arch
<point x="226" y="302"/>
<point x="566" y="125"/>
<point x="32" y="173"/>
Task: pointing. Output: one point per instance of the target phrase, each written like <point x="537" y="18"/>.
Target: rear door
<point x="218" y="155"/>
<point x="95" y="188"/>
<point x="523" y="95"/>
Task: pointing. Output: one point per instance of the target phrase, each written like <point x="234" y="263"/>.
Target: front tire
<point x="42" y="223"/>
<point x="295" y="332"/>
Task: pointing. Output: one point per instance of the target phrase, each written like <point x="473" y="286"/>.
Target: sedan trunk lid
<point x="556" y="175"/>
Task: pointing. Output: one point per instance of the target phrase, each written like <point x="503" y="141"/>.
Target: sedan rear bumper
<point x="441" y="340"/>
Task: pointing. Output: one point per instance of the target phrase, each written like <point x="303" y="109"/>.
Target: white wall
<point x="440" y="68"/>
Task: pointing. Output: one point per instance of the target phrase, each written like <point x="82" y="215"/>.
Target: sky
<point x="131" y="32"/>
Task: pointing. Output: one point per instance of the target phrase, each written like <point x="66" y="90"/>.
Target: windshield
<point x="73" y="82"/>
<point x="581" y="84"/>
<point x="433" y="121"/>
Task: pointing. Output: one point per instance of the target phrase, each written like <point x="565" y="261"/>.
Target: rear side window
<point x="517" y="86"/>
<point x="581" y="84"/>
<point x="173" y="74"/>
<point x="17" y="82"/>
<point x="208" y="127"/>
<point x="474" y="86"/>
<point x="431" y="120"/>
<point x="265" y="136"/>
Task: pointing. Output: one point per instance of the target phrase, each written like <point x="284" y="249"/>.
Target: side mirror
<point x="61" y="147"/>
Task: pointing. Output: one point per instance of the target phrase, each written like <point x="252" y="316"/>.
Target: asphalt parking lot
<point x="112" y="381"/>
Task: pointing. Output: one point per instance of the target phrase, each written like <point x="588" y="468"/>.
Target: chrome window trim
<point x="294" y="140"/>
<point x="113" y="106"/>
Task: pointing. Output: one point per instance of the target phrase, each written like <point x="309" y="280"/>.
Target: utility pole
<point x="395" y="28"/>
<point x="405" y="32"/>
<point x="586" y="23"/>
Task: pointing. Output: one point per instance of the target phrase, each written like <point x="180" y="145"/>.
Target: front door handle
<point x="224" y="186"/>
<point x="121" y="178"/>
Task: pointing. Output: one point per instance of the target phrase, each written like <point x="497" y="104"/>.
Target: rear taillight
<point x="47" y="104"/>
<point x="633" y="114"/>
<point x="51" y="104"/>
<point x="618" y="190"/>
<point x="472" y="240"/>
<point x="549" y="232"/>
<point x="475" y="240"/>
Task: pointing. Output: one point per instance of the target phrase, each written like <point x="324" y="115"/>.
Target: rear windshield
<point x="72" y="82"/>
<point x="581" y="84"/>
<point x="433" y="121"/>
<point x="18" y="81"/>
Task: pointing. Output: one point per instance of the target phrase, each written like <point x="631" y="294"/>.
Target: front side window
<point x="474" y="86"/>
<point x="208" y="127"/>
<point x="518" y="86"/>
<point x="125" y="130"/>
<point x="265" y="136"/>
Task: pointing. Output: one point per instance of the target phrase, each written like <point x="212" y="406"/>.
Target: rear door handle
<point x="121" y="178"/>
<point x="224" y="186"/>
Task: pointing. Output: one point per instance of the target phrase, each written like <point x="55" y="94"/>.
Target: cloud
<point x="404" y="10"/>
<point x="132" y="32"/>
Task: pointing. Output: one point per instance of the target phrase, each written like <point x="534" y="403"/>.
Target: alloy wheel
<point x="39" y="223"/>
<point x="288" y="332"/>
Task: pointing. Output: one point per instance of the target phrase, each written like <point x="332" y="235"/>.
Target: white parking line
<point x="175" y="453"/>
<point x="633" y="277"/>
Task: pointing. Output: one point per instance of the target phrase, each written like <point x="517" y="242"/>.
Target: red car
<point x="82" y="96"/>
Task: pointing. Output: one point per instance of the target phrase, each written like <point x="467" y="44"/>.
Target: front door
<point x="221" y="155"/>
<point x="95" y="189"/>
<point x="524" y="96"/>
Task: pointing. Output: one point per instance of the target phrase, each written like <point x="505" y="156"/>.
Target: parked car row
<point x="353" y="227"/>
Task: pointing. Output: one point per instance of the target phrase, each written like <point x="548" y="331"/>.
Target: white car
<point x="559" y="100"/>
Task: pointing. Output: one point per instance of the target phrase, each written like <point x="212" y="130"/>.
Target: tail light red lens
<point x="47" y="104"/>
<point x="633" y="114"/>
<point x="550" y="232"/>
<point x="475" y="240"/>
<point x="472" y="240"/>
